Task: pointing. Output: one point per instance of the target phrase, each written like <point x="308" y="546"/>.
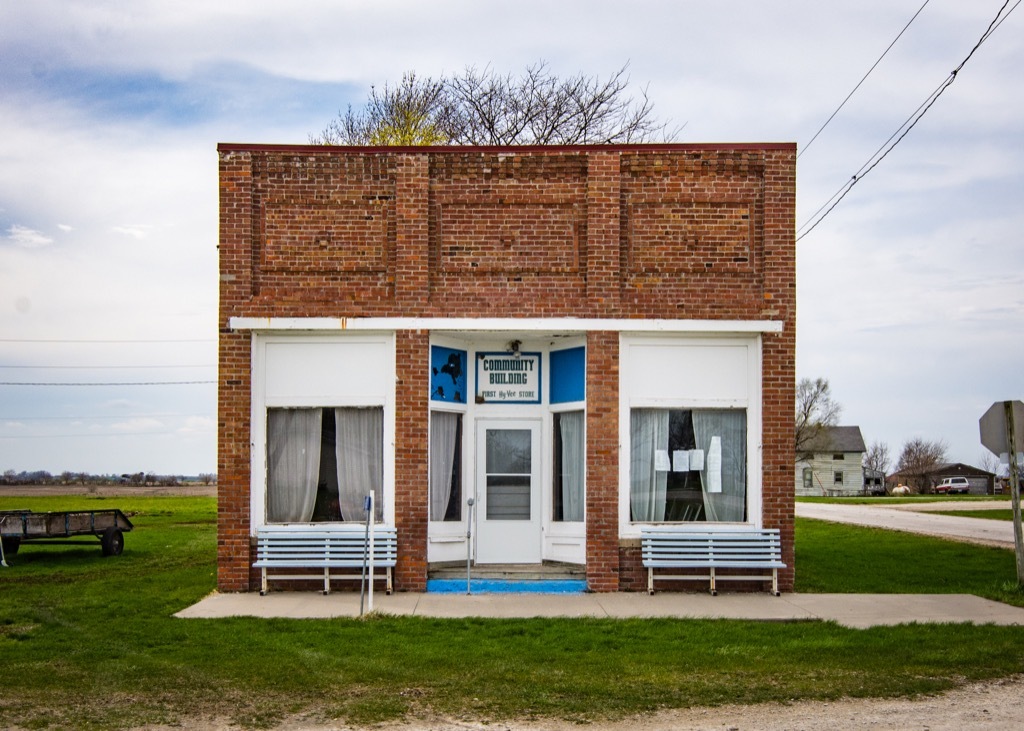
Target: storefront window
<point x="322" y="463"/>
<point x="688" y="465"/>
<point x="445" y="466"/>
<point x="569" y="464"/>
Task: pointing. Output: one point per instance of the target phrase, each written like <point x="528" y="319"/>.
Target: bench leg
<point x="714" y="589"/>
<point x="389" y="586"/>
<point x="327" y="581"/>
<point x="263" y="582"/>
<point x="775" y="582"/>
<point x="650" y="581"/>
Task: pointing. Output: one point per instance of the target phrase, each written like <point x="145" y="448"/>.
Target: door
<point x="508" y="491"/>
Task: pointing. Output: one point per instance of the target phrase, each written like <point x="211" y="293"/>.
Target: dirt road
<point x="993" y="706"/>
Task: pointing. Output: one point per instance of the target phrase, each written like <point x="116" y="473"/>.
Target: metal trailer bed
<point x="24" y="526"/>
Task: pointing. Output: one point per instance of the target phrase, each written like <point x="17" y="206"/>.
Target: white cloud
<point x="27" y="238"/>
<point x="198" y="425"/>
<point x="137" y="232"/>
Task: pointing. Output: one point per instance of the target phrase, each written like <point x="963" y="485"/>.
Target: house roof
<point x="838" y="439"/>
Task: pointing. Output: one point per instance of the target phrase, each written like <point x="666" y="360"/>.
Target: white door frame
<point x="508" y="540"/>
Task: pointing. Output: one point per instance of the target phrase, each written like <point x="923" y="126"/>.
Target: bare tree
<point x="877" y="457"/>
<point x="988" y="462"/>
<point x="919" y="457"/>
<point x="816" y="410"/>
<point x="417" y="111"/>
<point x="483" y="107"/>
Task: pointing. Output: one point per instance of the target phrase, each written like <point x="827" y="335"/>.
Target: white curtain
<point x="444" y="427"/>
<point x="648" y="433"/>
<point x="724" y="493"/>
<point x="573" y="465"/>
<point x="359" y="447"/>
<point x="293" y="457"/>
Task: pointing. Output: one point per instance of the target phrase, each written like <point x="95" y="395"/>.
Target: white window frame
<point x="736" y="387"/>
<point x="374" y="389"/>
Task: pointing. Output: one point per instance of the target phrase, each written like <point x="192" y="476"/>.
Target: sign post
<point x="1000" y="434"/>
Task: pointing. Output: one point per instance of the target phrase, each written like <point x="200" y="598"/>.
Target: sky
<point x="910" y="291"/>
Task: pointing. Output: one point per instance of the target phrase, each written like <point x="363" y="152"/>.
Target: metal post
<point x="1018" y="538"/>
<point x="469" y="545"/>
<point x="367" y="554"/>
<point x="370" y="525"/>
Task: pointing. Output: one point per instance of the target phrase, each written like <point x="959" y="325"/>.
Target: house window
<point x="808" y="478"/>
<point x="569" y="466"/>
<point x="838" y="456"/>
<point x="837" y="478"/>
<point x="322" y="463"/>
<point x="445" y="466"/>
<point x="688" y="465"/>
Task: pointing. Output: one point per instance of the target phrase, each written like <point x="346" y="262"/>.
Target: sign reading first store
<point x="508" y="378"/>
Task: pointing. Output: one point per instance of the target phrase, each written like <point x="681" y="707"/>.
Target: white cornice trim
<point x="499" y="324"/>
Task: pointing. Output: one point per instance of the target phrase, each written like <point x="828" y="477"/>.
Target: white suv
<point x="953" y="486"/>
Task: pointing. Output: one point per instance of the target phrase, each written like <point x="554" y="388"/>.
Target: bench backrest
<point x="677" y="545"/>
<point x="343" y="546"/>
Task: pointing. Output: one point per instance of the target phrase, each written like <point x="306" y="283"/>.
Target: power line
<point x="79" y="436"/>
<point x="104" y="367"/>
<point x="884" y="54"/>
<point x="132" y="342"/>
<point x="123" y="383"/>
<point x="903" y="130"/>
<point x="106" y="416"/>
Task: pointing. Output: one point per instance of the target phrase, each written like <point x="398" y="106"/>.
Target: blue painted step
<point x="507" y="586"/>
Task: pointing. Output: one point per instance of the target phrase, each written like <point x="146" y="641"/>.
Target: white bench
<point x="672" y="548"/>
<point x="339" y="551"/>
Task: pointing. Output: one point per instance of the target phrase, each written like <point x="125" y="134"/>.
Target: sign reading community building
<point x="508" y="378"/>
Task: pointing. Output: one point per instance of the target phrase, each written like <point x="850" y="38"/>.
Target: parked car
<point x="953" y="486"/>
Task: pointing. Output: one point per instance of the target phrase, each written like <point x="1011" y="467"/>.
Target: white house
<point x="835" y="463"/>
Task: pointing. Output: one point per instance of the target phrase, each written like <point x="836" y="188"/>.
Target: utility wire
<point x="884" y="53"/>
<point x="56" y="340"/>
<point x="908" y="125"/>
<point x="125" y="383"/>
<point x="104" y="367"/>
<point x="106" y="416"/>
<point x="109" y="435"/>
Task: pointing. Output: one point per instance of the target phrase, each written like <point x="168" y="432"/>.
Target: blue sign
<point x="447" y="375"/>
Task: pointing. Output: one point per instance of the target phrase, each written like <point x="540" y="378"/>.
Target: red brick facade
<point x="672" y="232"/>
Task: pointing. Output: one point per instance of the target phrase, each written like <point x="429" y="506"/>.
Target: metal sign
<point x="509" y="378"/>
<point x="993" y="428"/>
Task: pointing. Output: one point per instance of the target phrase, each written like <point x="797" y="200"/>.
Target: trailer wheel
<point x="11" y="545"/>
<point x="112" y="542"/>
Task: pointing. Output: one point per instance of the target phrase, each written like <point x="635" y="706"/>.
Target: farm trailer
<point x="24" y="526"/>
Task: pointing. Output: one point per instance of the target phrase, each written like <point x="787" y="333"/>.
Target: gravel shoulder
<point x="993" y="705"/>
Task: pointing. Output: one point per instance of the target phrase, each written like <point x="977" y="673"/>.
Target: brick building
<point x="583" y="339"/>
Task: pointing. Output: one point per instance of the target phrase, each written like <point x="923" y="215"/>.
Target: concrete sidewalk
<point x="849" y="610"/>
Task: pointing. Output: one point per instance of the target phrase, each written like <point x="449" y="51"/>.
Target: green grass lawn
<point x="90" y="642"/>
<point x="999" y="514"/>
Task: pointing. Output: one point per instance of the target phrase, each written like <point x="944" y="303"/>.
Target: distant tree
<point x="919" y="457"/>
<point x="877" y="457"/>
<point x="816" y="410"/>
<point x="483" y="107"/>
<point x="988" y="462"/>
